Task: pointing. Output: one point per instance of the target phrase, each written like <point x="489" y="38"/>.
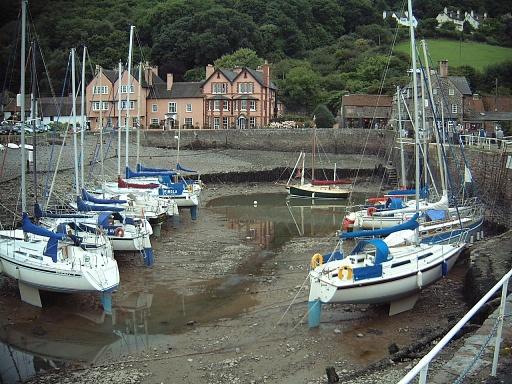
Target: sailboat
<point x="41" y="259"/>
<point x="316" y="189"/>
<point x="374" y="272"/>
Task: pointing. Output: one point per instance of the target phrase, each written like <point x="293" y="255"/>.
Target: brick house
<point x="486" y="112"/>
<point x="240" y="98"/>
<point x="365" y="111"/>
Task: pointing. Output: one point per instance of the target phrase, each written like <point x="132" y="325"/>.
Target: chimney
<point x="443" y="68"/>
<point x="485" y="15"/>
<point x="97" y="70"/>
<point x="209" y="70"/>
<point x="154" y="69"/>
<point x="384" y="14"/>
<point x="266" y="74"/>
<point x="458" y="13"/>
<point x="472" y="13"/>
<point x="445" y="10"/>
<point x="237" y="70"/>
<point x="170" y="80"/>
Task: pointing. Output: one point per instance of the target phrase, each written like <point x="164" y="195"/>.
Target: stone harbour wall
<point x="346" y="141"/>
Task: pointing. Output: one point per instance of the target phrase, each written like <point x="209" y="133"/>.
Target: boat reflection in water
<point x="271" y="219"/>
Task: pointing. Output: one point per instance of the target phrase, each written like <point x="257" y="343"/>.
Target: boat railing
<point x="422" y="367"/>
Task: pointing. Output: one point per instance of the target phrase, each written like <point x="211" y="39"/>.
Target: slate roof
<point x="113" y="75"/>
<point x="259" y="77"/>
<point x="461" y="83"/>
<point x="364" y="100"/>
<point x="186" y="89"/>
<point x="230" y="75"/>
<point x="49" y="106"/>
<point x="159" y="91"/>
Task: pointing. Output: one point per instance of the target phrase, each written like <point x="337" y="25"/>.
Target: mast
<point x="424" y="130"/>
<point x="22" y="106"/>
<point x="126" y="149"/>
<point x="313" y="154"/>
<point x="82" y="119"/>
<point x="138" y="111"/>
<point x="415" y="103"/>
<point x="400" y="132"/>
<point x="33" y="116"/>
<point x="434" y="109"/>
<point x="73" y="113"/>
<point x="101" y="128"/>
<point x="120" y="69"/>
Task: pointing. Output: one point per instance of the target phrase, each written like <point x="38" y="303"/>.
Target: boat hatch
<point x="400" y="263"/>
<point x="424" y="255"/>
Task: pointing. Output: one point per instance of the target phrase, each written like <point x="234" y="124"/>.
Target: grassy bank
<point x="476" y="55"/>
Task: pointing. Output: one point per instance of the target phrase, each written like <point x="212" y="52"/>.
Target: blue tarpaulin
<point x="436" y="214"/>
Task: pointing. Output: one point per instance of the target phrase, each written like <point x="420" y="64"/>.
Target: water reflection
<point x="271" y="219"/>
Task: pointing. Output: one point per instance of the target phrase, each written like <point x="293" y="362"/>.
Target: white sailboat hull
<point x="77" y="273"/>
<point x="391" y="286"/>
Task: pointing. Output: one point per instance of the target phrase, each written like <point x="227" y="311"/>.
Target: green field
<point x="476" y="55"/>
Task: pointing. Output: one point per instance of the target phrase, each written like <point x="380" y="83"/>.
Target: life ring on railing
<point x="119" y="232"/>
<point x="370" y="211"/>
<point x="317" y="260"/>
<point x="345" y="273"/>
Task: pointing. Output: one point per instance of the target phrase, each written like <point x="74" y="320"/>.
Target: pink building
<point x="242" y="98"/>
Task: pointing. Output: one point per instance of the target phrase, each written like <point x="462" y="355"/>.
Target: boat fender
<point x="190" y="188"/>
<point x="119" y="232"/>
<point x="317" y="260"/>
<point x="370" y="211"/>
<point x="419" y="279"/>
<point x="345" y="273"/>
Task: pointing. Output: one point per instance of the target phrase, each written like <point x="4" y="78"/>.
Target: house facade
<point x="448" y="94"/>
<point x="365" y="111"/>
<point x="487" y="112"/>
<point x="240" y="98"/>
<point x="48" y="109"/>
<point x="456" y="17"/>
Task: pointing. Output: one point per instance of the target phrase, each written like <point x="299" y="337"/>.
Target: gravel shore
<point x="266" y="338"/>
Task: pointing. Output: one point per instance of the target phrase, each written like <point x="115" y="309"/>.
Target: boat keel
<point x="30" y="294"/>
<point x="402" y="305"/>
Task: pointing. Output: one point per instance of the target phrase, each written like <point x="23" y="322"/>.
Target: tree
<point x="244" y="57"/>
<point x="300" y="89"/>
<point x="323" y="117"/>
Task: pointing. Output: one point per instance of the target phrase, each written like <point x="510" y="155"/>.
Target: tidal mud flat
<point x="227" y="308"/>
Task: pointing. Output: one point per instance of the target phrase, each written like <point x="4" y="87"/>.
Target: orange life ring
<point x="370" y="211"/>
<point x="119" y="232"/>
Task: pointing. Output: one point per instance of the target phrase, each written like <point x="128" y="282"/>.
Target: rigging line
<point x="375" y="110"/>
<point x="293" y="300"/>
<point x="443" y="151"/>
<point x="54" y="134"/>
<point x="50" y="84"/>
<point x="10" y="61"/>
<point x="461" y="146"/>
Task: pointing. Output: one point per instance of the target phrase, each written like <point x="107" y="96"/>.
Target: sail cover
<point x="141" y="168"/>
<point x="179" y="167"/>
<point x="412" y="223"/>
<point x="85" y="207"/>
<point x="86" y="196"/>
<point x="124" y="184"/>
<point x="130" y="174"/>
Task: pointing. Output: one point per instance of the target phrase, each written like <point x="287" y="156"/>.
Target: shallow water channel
<point x="153" y="305"/>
